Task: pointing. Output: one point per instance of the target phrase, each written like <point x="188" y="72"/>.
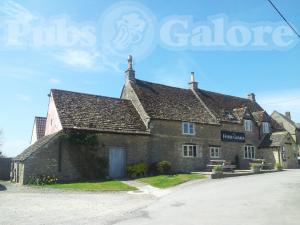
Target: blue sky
<point x="28" y="73"/>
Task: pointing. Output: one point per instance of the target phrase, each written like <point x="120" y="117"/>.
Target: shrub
<point x="218" y="168"/>
<point x="255" y="167"/>
<point x="138" y="169"/>
<point x="279" y="166"/>
<point x="163" y="167"/>
<point x="42" y="180"/>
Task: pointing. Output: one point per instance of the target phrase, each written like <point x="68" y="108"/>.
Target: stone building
<point x="287" y="124"/>
<point x="280" y="147"/>
<point x="149" y="122"/>
<point x="38" y="130"/>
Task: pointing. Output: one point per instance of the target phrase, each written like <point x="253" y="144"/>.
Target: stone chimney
<point x="130" y="73"/>
<point x="288" y="115"/>
<point x="251" y="97"/>
<point x="193" y="84"/>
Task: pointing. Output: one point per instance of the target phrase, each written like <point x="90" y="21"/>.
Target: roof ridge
<point x="165" y="85"/>
<point x="232" y="96"/>
<point x="187" y="89"/>
<point x="102" y="96"/>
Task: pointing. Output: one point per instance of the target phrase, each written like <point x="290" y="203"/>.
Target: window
<point x="188" y="128"/>
<point x="248" y="125"/>
<point x="249" y="152"/>
<point x="214" y="152"/>
<point x="265" y="127"/>
<point x="190" y="151"/>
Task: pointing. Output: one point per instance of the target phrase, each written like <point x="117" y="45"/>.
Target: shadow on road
<point x="2" y="188"/>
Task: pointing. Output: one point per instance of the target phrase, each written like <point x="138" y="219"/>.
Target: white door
<point x="116" y="162"/>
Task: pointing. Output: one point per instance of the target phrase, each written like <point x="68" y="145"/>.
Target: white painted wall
<point x="53" y="123"/>
<point x="34" y="134"/>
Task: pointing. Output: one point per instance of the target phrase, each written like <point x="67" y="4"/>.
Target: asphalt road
<point x="266" y="199"/>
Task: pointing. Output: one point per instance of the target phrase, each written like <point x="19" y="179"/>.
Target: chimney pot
<point x="251" y="97"/>
<point x="193" y="84"/>
<point x="130" y="73"/>
<point x="288" y="115"/>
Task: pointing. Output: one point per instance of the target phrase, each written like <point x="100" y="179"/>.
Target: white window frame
<point x="191" y="151"/>
<point x="248" y="125"/>
<point x="215" y="152"/>
<point x="265" y="127"/>
<point x="249" y="152"/>
<point x="191" y="128"/>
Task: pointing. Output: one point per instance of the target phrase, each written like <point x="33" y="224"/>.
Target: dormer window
<point x="188" y="128"/>
<point x="248" y="125"/>
<point x="265" y="127"/>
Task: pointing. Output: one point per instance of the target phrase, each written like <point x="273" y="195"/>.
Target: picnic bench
<point x="264" y="164"/>
<point x="226" y="166"/>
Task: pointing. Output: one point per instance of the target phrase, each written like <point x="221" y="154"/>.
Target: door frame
<point x="124" y="149"/>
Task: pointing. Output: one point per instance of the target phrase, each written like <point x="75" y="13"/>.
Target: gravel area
<point x="33" y="205"/>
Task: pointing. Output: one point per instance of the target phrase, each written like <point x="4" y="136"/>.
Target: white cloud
<point x="282" y="101"/>
<point x="17" y="12"/>
<point x="79" y="58"/>
<point x="54" y="81"/>
<point x="87" y="59"/>
<point x="23" y="97"/>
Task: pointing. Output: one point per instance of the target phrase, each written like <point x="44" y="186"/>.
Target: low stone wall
<point x="5" y="164"/>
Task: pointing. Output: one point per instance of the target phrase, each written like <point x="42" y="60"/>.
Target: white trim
<point x="265" y="127"/>
<point x="190" y="125"/>
<point x="249" y="152"/>
<point x="214" y="150"/>
<point x="248" y="125"/>
<point x="192" y="151"/>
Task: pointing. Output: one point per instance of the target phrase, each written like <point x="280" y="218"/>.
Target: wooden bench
<point x="226" y="166"/>
<point x="264" y="164"/>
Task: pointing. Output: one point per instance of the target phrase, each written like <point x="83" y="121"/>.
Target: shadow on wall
<point x="2" y="188"/>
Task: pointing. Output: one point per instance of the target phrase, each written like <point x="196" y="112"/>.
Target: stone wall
<point x="167" y="141"/>
<point x="5" y="164"/>
<point x="56" y="158"/>
<point x="273" y="155"/>
<point x="129" y="94"/>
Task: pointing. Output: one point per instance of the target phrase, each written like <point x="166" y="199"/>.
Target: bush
<point x="42" y="180"/>
<point x="218" y="168"/>
<point x="279" y="166"/>
<point x="255" y="166"/>
<point x="136" y="170"/>
<point x="163" y="167"/>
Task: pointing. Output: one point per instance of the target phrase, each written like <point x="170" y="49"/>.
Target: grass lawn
<point x="166" y="181"/>
<point x="108" y="185"/>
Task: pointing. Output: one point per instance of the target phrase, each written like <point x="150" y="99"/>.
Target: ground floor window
<point x="249" y="152"/>
<point x="214" y="152"/>
<point x="190" y="151"/>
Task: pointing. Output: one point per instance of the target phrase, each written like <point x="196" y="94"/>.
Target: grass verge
<point x="166" y="181"/>
<point x="108" y="185"/>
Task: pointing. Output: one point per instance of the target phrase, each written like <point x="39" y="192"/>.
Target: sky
<point x="94" y="59"/>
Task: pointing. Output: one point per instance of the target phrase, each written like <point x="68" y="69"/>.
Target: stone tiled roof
<point x="242" y="113"/>
<point x="171" y="103"/>
<point x="40" y="126"/>
<point x="222" y="105"/>
<point x="288" y="120"/>
<point x="261" y="116"/>
<point x="275" y="125"/>
<point x="93" y="112"/>
<point x="274" y="139"/>
<point x="35" y="147"/>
